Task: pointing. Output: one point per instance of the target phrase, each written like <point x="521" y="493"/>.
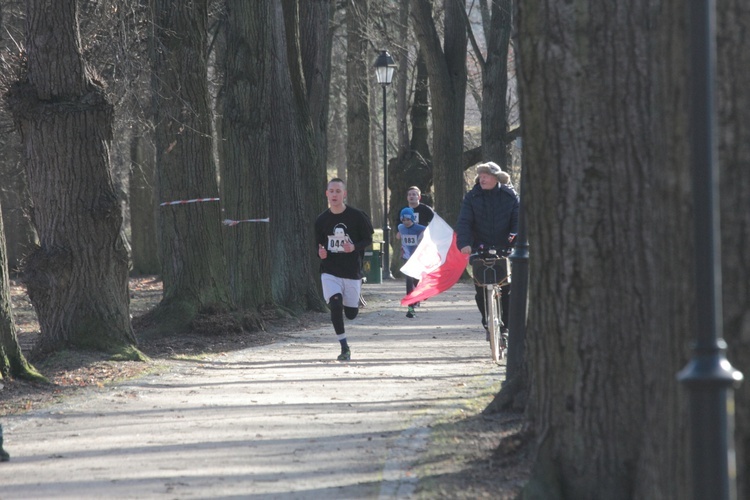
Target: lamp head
<point x="384" y="68"/>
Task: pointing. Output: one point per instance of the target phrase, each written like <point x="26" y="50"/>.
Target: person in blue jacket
<point x="489" y="218"/>
<point x="410" y="233"/>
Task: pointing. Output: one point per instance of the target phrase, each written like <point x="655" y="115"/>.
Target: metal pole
<point x="519" y="287"/>
<point x="386" y="244"/>
<point x="708" y="376"/>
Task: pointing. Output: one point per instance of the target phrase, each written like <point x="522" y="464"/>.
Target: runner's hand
<point x="322" y="252"/>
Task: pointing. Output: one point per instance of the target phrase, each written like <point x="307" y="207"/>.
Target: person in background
<point x="423" y="214"/>
<point x="410" y="234"/>
<point x="489" y="218"/>
<point x="342" y="233"/>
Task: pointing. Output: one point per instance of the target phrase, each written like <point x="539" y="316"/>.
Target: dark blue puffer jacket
<point x="487" y="217"/>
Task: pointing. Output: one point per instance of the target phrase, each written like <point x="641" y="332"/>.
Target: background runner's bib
<point x="410" y="240"/>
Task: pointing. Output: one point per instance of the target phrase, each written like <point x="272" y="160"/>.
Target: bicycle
<point x="491" y="271"/>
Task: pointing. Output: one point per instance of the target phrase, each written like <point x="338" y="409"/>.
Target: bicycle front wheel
<point x="491" y="301"/>
<point x="502" y="340"/>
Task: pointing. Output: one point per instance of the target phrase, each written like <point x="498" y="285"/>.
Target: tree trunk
<point x="144" y="243"/>
<point x="402" y="80"/>
<point x="413" y="167"/>
<point x="246" y="152"/>
<point x="358" y="78"/>
<point x="733" y="23"/>
<point x="608" y="203"/>
<point x="193" y="267"/>
<point x="420" y="114"/>
<point x="20" y="238"/>
<point x="495" y="86"/>
<point x="12" y="361"/>
<point x="447" y="69"/>
<point x="313" y="42"/>
<point x="293" y="159"/>
<point x="316" y="44"/>
<point x="11" y="172"/>
<point x="77" y="278"/>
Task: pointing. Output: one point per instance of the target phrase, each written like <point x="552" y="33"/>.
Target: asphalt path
<point x="282" y="421"/>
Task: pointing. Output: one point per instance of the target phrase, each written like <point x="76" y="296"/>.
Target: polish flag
<point x="436" y="262"/>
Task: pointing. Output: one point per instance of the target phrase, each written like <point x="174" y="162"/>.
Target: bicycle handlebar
<point x="492" y="253"/>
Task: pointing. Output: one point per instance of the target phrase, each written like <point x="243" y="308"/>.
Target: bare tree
<point x="495" y="85"/>
<point x="294" y="162"/>
<point x="77" y="277"/>
<point x="607" y="190"/>
<point x="316" y="45"/>
<point x="12" y="361"/>
<point x="246" y="132"/>
<point x="446" y="64"/>
<point x="336" y="121"/>
<point x="358" y="151"/>
<point x="413" y="163"/>
<point x="413" y="166"/>
<point x="14" y="192"/>
<point x="142" y="184"/>
<point x="192" y="251"/>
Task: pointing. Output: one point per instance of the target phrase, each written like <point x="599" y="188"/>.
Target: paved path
<point x="280" y="421"/>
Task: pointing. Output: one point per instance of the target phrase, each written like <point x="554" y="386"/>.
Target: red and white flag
<point x="436" y="262"/>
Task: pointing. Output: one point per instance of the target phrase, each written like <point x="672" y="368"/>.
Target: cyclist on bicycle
<point x="489" y="218"/>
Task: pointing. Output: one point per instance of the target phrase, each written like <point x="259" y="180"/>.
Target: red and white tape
<point x="230" y="222"/>
<point x="183" y="202"/>
<point x="226" y="222"/>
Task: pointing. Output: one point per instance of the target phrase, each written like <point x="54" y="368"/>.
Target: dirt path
<point x="279" y="421"/>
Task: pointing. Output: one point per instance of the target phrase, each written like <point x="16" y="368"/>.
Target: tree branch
<point x="473" y="40"/>
<point x="474" y="156"/>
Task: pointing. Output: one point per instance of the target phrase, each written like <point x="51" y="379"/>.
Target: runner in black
<point x="342" y="233"/>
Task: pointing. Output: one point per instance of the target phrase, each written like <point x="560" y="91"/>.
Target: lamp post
<point x="519" y="296"/>
<point x="384" y="68"/>
<point x="708" y="376"/>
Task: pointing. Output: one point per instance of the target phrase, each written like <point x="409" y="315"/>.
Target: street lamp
<point x="519" y="295"/>
<point x="708" y="376"/>
<point x="384" y="68"/>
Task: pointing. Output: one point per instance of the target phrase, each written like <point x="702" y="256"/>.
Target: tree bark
<point x="245" y="147"/>
<point x="413" y="167"/>
<point x="447" y="69"/>
<point x="294" y="160"/>
<point x="142" y="180"/>
<point x="192" y="251"/>
<point x="12" y="361"/>
<point x="495" y="85"/>
<point x="314" y="48"/>
<point x="402" y="81"/>
<point x="20" y="238"/>
<point x="611" y="293"/>
<point x="77" y="278"/>
<point x="358" y="78"/>
<point x="733" y="86"/>
<point x="316" y="45"/>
